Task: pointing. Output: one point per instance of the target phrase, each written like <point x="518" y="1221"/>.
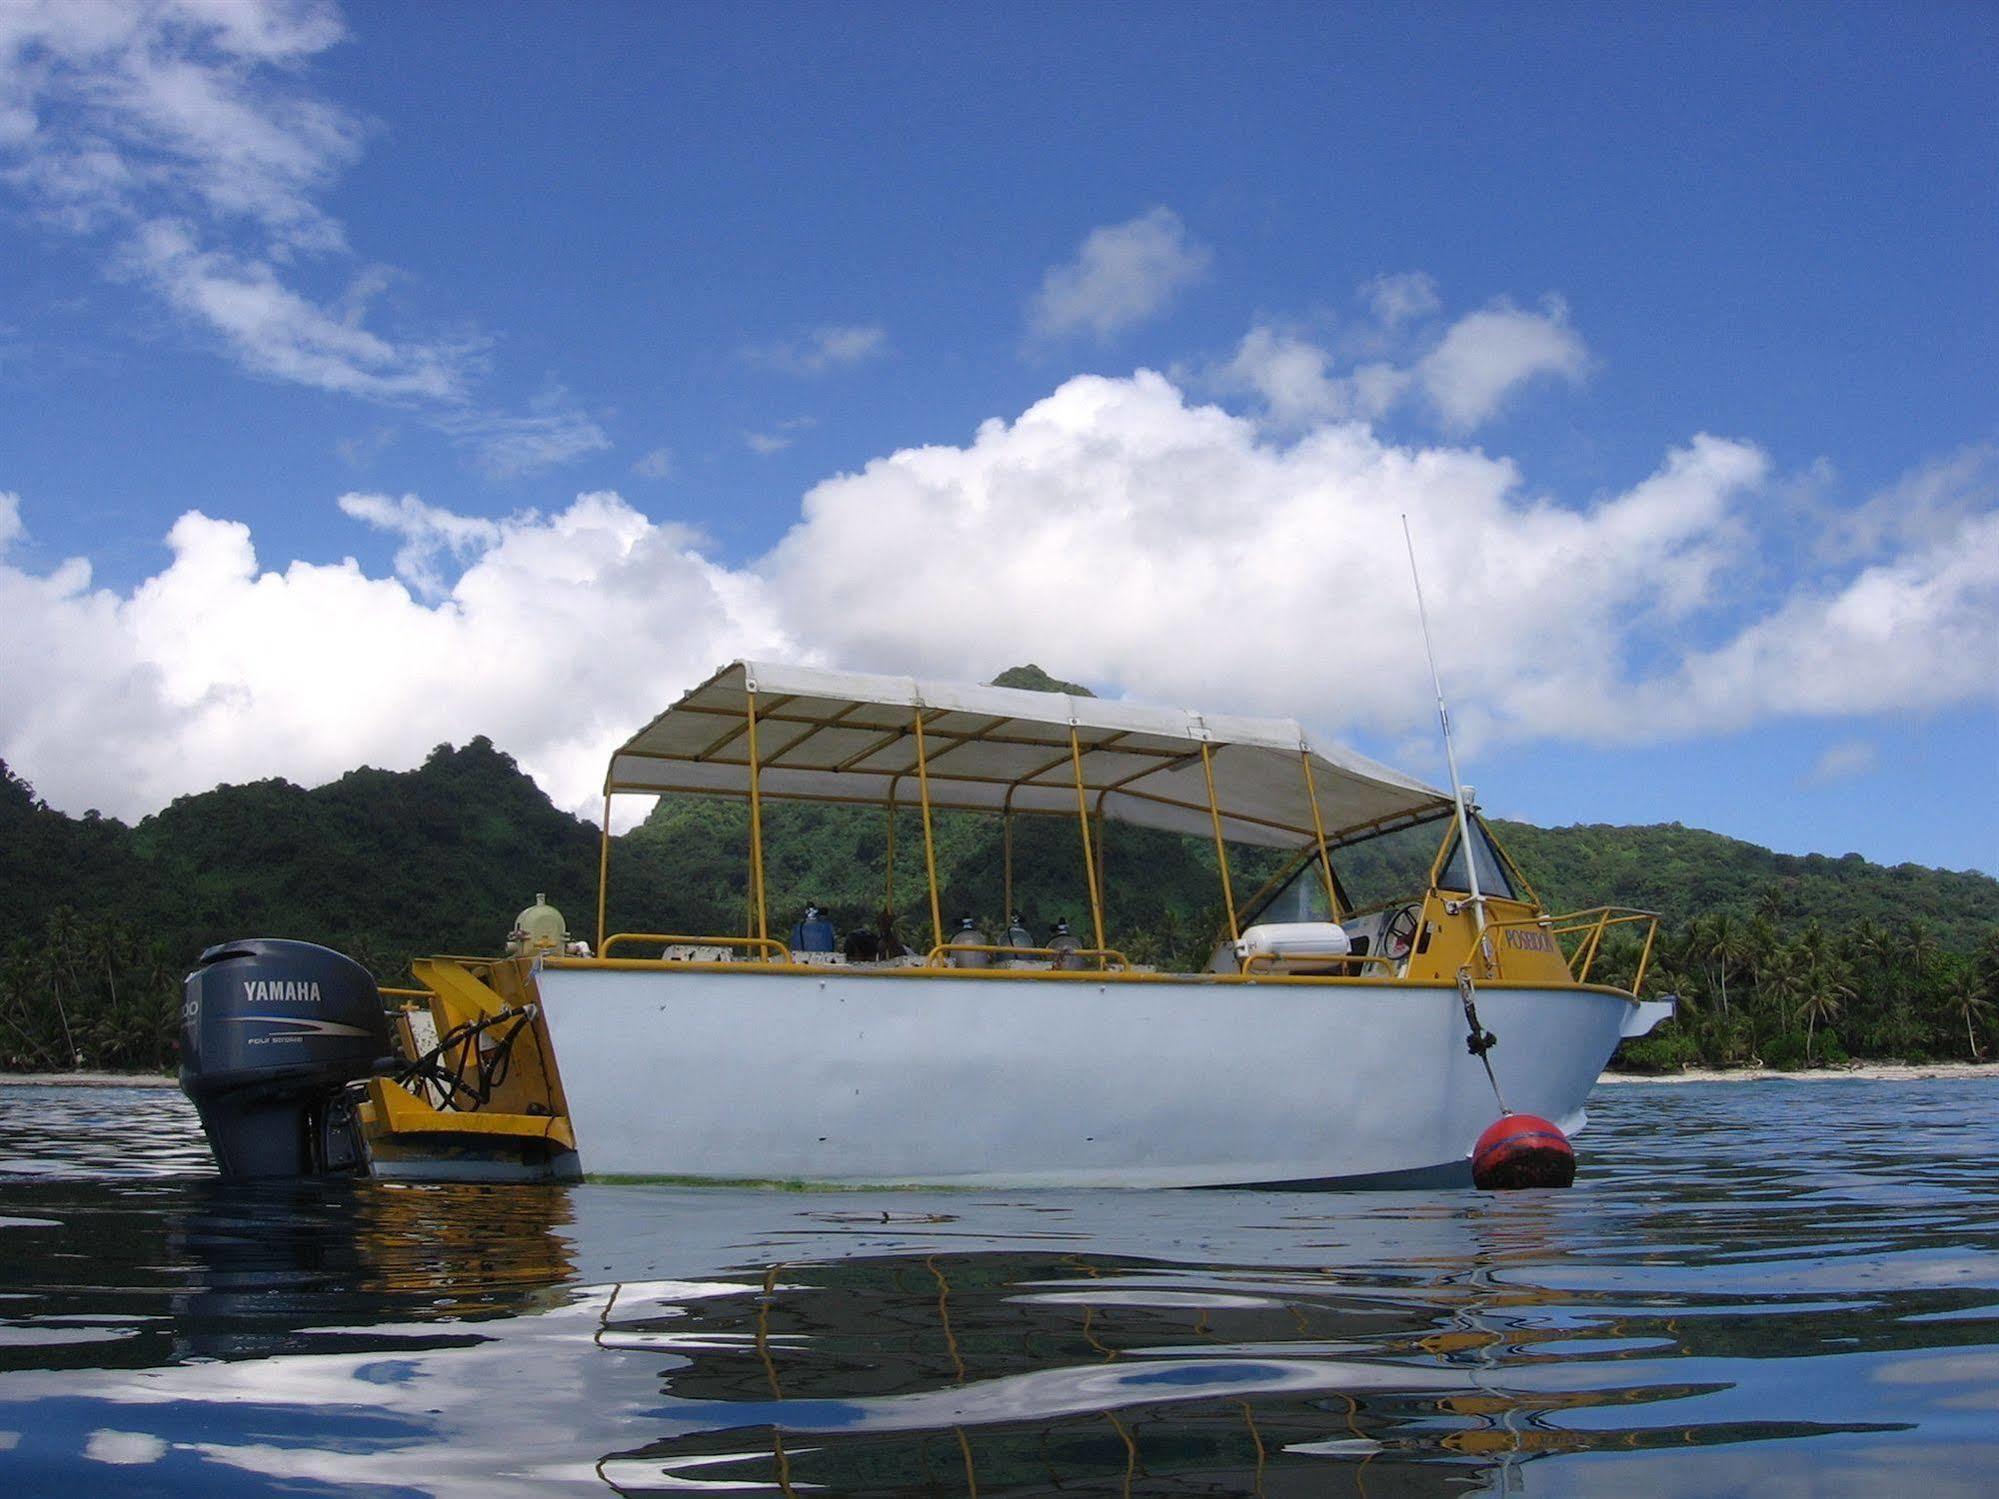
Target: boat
<point x="1328" y="1041"/>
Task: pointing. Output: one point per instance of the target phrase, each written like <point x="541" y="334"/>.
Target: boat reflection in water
<point x="1692" y="1323"/>
<point x="1043" y="1371"/>
<point x="277" y="1262"/>
<point x="450" y="1339"/>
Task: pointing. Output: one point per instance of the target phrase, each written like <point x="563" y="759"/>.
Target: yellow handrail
<point x="1324" y="959"/>
<point x="404" y="993"/>
<point x="1100" y="953"/>
<point x="1593" y="921"/>
<point x="668" y="939"/>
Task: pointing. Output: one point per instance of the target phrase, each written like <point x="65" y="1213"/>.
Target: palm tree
<point x="1877" y="952"/>
<point x="1770" y="903"/>
<point x="62" y="936"/>
<point x="1822" y="993"/>
<point x="1920" y="946"/>
<point x="1725" y="942"/>
<point x="1967" y="1000"/>
<point x="1760" y="943"/>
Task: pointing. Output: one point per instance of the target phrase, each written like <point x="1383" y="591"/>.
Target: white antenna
<point x="1450" y="751"/>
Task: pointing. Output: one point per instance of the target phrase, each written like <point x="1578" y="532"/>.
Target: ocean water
<point x="1778" y="1288"/>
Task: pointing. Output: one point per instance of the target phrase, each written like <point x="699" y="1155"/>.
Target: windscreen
<point x="1492" y="876"/>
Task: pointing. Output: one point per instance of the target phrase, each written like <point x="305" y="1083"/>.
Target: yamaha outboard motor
<point x="271" y="1034"/>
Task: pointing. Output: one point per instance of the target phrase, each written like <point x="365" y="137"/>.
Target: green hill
<point x="1685" y="872"/>
<point x="386" y="865"/>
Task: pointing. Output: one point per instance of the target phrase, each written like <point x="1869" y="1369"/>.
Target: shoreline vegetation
<point x="1778" y="961"/>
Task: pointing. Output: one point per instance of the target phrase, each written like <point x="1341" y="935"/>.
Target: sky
<point x="376" y="376"/>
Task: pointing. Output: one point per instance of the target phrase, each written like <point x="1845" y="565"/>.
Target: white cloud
<point x="563" y="633"/>
<point x="658" y="464"/>
<point x="1402" y="296"/>
<point x="1122" y="275"/>
<point x="116" y="108"/>
<point x="1294" y="379"/>
<point x="274" y="331"/>
<point x="1465" y="374"/>
<point x="1485" y="356"/>
<point x="1927" y="505"/>
<point x="124" y="1448"/>
<point x="778" y="438"/>
<point x="181" y="137"/>
<point x="1919" y="631"/>
<point x="1843" y="761"/>
<point x="1114" y="531"/>
<point x="429" y="534"/>
<point x="508" y="446"/>
<point x="822" y="349"/>
<point x="1176" y="552"/>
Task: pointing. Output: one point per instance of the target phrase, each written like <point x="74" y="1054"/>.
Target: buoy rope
<point x="1478" y="1040"/>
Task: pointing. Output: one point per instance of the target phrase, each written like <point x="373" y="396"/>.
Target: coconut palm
<point x="1725" y="944"/>
<point x="1770" y="903"/>
<point x="1920" y="946"/>
<point x="1966" y="999"/>
<point x="1822" y="993"/>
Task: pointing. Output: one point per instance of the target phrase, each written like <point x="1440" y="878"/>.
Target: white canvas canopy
<point x="848" y="737"/>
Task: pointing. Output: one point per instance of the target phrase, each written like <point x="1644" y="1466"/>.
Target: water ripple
<point x="1752" y="1288"/>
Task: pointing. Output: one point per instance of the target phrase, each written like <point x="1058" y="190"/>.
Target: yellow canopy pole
<point x="1089" y="858"/>
<point x="603" y="869"/>
<point x="756" y="821"/>
<point x="888" y="897"/>
<point x="929" y="842"/>
<point x="1319" y="831"/>
<point x="1221" y="853"/>
<point x="1102" y="879"/>
<point x="1006" y="859"/>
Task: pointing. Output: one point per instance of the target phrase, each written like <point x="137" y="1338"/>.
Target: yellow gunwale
<point x="1046" y="975"/>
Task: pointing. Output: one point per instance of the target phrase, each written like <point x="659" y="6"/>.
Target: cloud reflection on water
<point x="1654" y="1330"/>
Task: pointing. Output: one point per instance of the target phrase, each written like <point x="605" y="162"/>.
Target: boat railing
<point x="1588" y="927"/>
<point x="779" y="952"/>
<point x="1345" y="962"/>
<point x="940" y="956"/>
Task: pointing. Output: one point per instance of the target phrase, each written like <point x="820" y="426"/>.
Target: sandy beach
<point x="90" y="1079"/>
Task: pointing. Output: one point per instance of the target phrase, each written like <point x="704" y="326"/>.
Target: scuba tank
<point x="812" y="934"/>
<point x="1017" y="934"/>
<point x="969" y="935"/>
<point x="1065" y="947"/>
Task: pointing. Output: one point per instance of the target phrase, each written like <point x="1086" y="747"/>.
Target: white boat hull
<point x="847" y="1079"/>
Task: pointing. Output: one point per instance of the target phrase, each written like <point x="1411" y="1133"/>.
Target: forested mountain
<point x="386" y="865"/>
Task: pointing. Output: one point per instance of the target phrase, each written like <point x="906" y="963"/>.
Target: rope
<point x="1478" y="1040"/>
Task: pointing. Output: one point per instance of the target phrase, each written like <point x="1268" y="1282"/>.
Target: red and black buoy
<point x="1522" y="1150"/>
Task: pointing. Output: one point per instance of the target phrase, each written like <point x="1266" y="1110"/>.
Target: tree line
<point x="1760" y="990"/>
<point x="1779" y="959"/>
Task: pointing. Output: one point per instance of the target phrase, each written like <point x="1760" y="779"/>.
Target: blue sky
<point x="1672" y="330"/>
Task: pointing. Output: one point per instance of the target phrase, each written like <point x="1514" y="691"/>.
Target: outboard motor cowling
<point x="272" y="1032"/>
